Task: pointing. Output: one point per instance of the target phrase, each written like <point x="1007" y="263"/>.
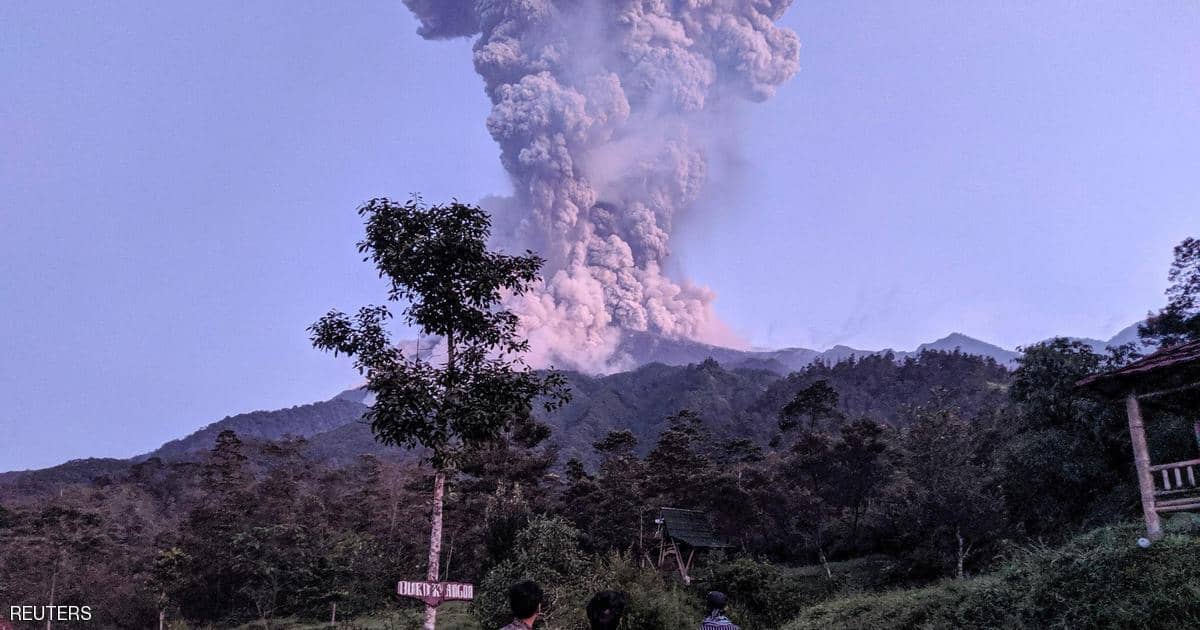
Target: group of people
<point x="604" y="611"/>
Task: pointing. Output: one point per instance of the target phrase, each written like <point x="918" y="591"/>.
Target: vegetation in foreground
<point x="1100" y="579"/>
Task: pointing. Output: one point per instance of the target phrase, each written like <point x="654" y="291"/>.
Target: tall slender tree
<point x="436" y="261"/>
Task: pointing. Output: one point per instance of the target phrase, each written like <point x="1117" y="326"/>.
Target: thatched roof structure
<point x="691" y="528"/>
<point x="1166" y="371"/>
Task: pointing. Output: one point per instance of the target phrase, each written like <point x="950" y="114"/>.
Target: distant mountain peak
<point x="1126" y="335"/>
<point x="640" y="348"/>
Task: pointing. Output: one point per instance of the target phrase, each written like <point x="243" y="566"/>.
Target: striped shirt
<point x="717" y="621"/>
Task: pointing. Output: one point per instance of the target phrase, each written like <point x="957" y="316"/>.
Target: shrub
<point x="763" y="595"/>
<point x="654" y="603"/>
<point x="547" y="552"/>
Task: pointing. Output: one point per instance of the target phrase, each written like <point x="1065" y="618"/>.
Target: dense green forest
<point x="863" y="475"/>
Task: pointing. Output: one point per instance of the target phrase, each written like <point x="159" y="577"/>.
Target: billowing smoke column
<point x="605" y="112"/>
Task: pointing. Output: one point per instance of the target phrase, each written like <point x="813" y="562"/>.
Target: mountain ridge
<point x="335" y="419"/>
<point x="639" y="348"/>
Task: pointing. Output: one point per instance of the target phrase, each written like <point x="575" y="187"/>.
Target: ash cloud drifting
<point x="606" y="112"/>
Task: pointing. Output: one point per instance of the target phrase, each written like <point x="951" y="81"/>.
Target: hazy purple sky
<point x="178" y="185"/>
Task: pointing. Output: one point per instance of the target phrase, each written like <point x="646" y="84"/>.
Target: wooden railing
<point x="1175" y="486"/>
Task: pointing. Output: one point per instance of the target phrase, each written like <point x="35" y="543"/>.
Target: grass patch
<point x="1101" y="579"/>
<point x="451" y="616"/>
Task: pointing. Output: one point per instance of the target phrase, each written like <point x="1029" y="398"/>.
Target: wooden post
<point x="435" y="543"/>
<point x="1141" y="459"/>
<point x="683" y="572"/>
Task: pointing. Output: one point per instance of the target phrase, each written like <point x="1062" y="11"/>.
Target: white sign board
<point x="434" y="593"/>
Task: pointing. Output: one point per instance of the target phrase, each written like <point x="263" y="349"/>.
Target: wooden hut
<point x="680" y="534"/>
<point x="1170" y="379"/>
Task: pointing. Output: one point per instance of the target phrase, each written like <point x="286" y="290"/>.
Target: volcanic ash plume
<point x="605" y="112"/>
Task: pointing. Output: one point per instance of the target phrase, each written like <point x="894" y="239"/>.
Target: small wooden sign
<point x="434" y="593"/>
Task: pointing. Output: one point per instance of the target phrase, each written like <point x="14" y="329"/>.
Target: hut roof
<point x="690" y="527"/>
<point x="1178" y="366"/>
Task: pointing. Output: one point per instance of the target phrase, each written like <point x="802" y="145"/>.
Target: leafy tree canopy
<point x="1179" y="321"/>
<point x="436" y="261"/>
<point x="817" y="402"/>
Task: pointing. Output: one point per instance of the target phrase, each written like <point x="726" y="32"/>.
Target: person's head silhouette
<point x="605" y="610"/>
<point x="525" y="600"/>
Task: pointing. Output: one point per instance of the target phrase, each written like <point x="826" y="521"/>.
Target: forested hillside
<point x="873" y="472"/>
<point x="729" y="401"/>
<point x="746" y="402"/>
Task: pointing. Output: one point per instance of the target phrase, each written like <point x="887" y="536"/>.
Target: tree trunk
<point x="435" y="543"/>
<point x="53" y="584"/>
<point x="819" y="539"/>
<point x="395" y="511"/>
<point x="333" y="616"/>
<point x="857" y="511"/>
<point x="961" y="553"/>
<point x="449" y="557"/>
<point x="641" y="538"/>
<point x="162" y="618"/>
<point x="439" y="491"/>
